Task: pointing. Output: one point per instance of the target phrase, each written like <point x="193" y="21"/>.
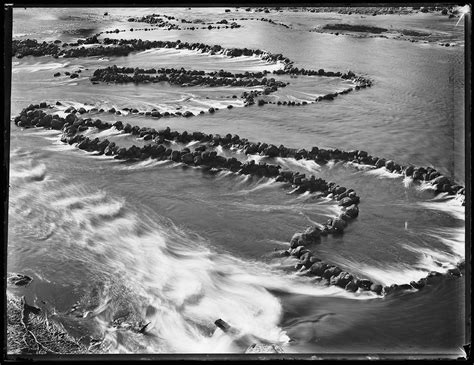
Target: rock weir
<point x="184" y="77"/>
<point x="308" y="263"/>
<point x="123" y="47"/>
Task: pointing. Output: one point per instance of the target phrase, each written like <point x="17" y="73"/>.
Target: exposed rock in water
<point x="18" y="279"/>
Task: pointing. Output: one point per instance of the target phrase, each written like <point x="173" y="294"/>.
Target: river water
<point x="180" y="248"/>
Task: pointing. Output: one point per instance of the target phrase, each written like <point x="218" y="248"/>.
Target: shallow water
<point x="180" y="248"/>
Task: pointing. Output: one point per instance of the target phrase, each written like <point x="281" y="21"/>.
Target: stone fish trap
<point x="72" y="125"/>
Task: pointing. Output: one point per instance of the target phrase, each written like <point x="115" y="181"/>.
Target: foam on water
<point x="429" y="259"/>
<point x="359" y="166"/>
<point x="224" y="174"/>
<point x="71" y="202"/>
<point x="55" y="147"/>
<point x="256" y="158"/>
<point x="393" y="273"/>
<point x="192" y="143"/>
<point x="290" y="163"/>
<point x="263" y="183"/>
<point x="180" y="285"/>
<point x="145" y="164"/>
<point x="190" y="288"/>
<point x="37" y="67"/>
<point x="407" y="182"/>
<point x="46" y="132"/>
<point x="108" y="132"/>
<point x="453" y="238"/>
<point x="383" y="173"/>
<point x="28" y="172"/>
<point x="424" y="185"/>
<point x="281" y="243"/>
<point x="450" y="205"/>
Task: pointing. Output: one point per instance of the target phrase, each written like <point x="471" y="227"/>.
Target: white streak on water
<point x="450" y="206"/>
<point x="407" y="181"/>
<point x="359" y="166"/>
<point x="30" y="172"/>
<point x="259" y="186"/>
<point x="308" y="165"/>
<point x="424" y="185"/>
<point x="145" y="164"/>
<point x="38" y="67"/>
<point x="454" y="238"/>
<point x="382" y="172"/>
<point x="393" y="273"/>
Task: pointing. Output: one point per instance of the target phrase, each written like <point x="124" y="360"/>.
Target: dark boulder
<point x="376" y="288"/>
<point x="352" y="211"/>
<point x="121" y="153"/>
<point x="102" y="146"/>
<point x="298" y="251"/>
<point x="389" y="165"/>
<point x="342" y="279"/>
<point x="312" y="233"/>
<point x="348" y="201"/>
<point x="338" y="224"/>
<point x="364" y="284"/>
<point x="380" y="163"/>
<point x="70" y="118"/>
<point x="175" y="156"/>
<point x="296" y="240"/>
<point x="330" y="272"/>
<point x="318" y="268"/>
<point x="440" y="181"/>
<point x="272" y="151"/>
<point x="118" y="125"/>
<point x="305" y="259"/>
<point x="111" y="149"/>
<point x="418" y="284"/>
<point x="251" y="149"/>
<point x="127" y="128"/>
<point x="351" y="286"/>
<point x="57" y="123"/>
<point x="339" y="190"/>
<point x="187" y="158"/>
<point x="409" y="170"/>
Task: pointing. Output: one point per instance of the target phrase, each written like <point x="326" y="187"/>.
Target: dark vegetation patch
<point x="414" y="33"/>
<point x="355" y="28"/>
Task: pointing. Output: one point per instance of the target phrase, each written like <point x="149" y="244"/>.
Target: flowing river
<point x="179" y="248"/>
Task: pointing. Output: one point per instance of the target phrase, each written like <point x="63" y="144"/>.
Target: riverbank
<point x="31" y="332"/>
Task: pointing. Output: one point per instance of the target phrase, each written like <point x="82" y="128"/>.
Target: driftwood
<point x="252" y="343"/>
